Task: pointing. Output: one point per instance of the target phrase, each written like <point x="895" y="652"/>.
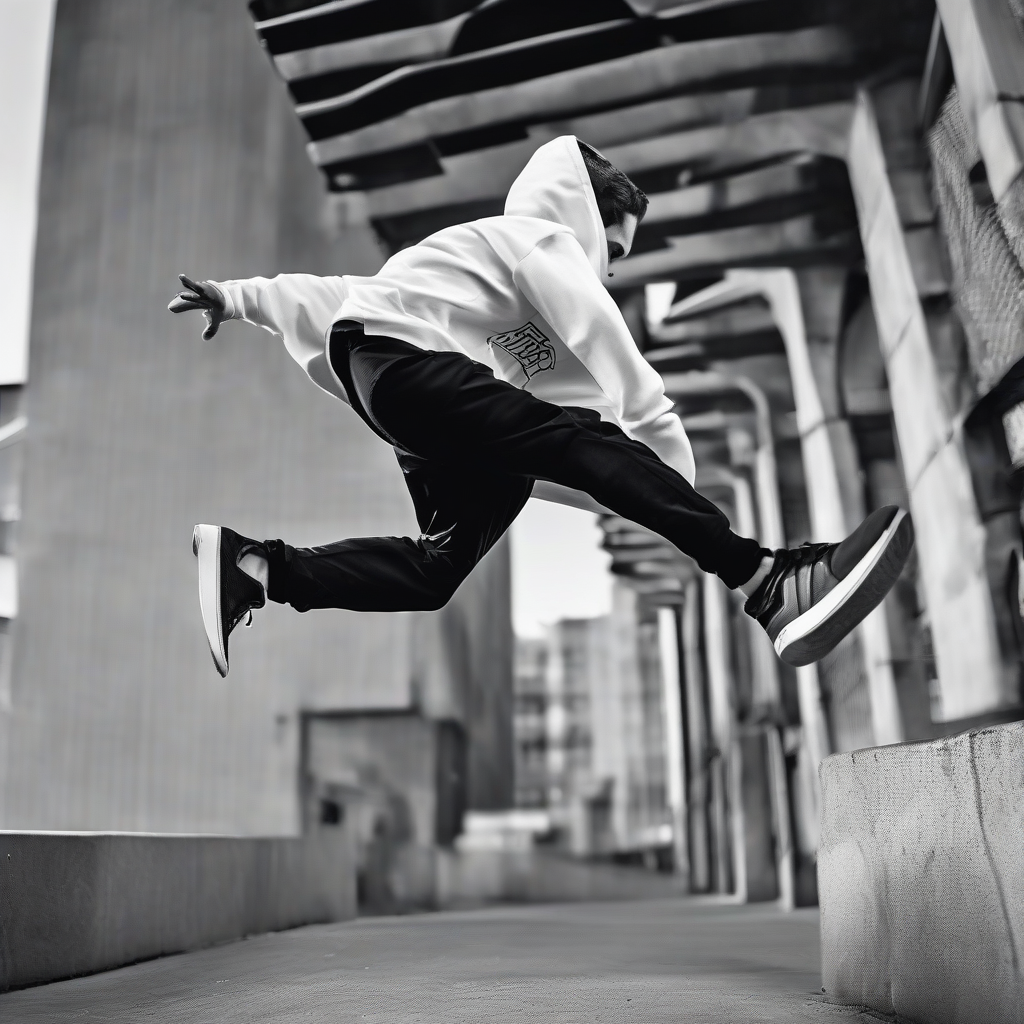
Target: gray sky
<point x="24" y="57"/>
<point x="558" y="568"/>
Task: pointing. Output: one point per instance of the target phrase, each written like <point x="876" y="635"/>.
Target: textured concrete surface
<point x="672" y="960"/>
<point x="72" y="904"/>
<point x="921" y="878"/>
<point x="171" y="145"/>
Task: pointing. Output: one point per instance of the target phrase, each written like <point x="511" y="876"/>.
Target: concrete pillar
<point x="785" y="866"/>
<point x="764" y="664"/>
<point x="767" y="525"/>
<point x="833" y="493"/>
<point x="672" y="709"/>
<point x="987" y="51"/>
<point x="950" y="536"/>
<point x="697" y="741"/>
<point x="727" y="807"/>
<point x="759" y="752"/>
<point x="835" y="500"/>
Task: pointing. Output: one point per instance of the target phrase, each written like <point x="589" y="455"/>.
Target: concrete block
<point x="921" y="878"/>
<point x="76" y="903"/>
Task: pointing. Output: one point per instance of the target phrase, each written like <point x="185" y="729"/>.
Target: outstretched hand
<point x="200" y="296"/>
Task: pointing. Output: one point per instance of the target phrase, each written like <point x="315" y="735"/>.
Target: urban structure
<point x="121" y="429"/>
<point x="829" y="280"/>
<point x="591" y="725"/>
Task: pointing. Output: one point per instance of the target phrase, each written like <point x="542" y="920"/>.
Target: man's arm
<point x="298" y="308"/>
<point x="295" y="307"/>
<point x="558" y="280"/>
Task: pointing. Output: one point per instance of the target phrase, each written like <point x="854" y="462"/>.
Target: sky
<point x="558" y="568"/>
<point x="24" y="60"/>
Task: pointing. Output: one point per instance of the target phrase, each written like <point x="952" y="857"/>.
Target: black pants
<point x="470" y="447"/>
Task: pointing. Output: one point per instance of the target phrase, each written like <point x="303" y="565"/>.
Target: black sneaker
<point x="815" y="594"/>
<point x="226" y="594"/>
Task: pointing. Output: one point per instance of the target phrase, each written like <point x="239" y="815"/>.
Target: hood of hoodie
<point x="555" y="186"/>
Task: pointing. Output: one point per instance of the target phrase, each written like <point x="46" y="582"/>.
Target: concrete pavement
<point x="643" y="961"/>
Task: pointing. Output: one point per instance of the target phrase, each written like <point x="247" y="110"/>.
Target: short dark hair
<point x="616" y="194"/>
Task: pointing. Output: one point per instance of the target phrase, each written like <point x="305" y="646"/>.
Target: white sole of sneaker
<point x="810" y="636"/>
<point x="206" y="548"/>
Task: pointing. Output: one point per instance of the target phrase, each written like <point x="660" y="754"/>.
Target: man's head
<point x="621" y="204"/>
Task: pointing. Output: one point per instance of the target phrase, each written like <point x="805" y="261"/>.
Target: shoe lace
<point x="786" y="559"/>
<point x="792" y="558"/>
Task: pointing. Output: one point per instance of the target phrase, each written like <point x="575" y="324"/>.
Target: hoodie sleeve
<point x="556" y="277"/>
<point x="299" y="309"/>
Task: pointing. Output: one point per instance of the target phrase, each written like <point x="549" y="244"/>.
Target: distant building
<point x="530" y="697"/>
<point x="590" y="732"/>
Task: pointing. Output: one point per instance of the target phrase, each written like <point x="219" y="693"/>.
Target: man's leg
<point x="448" y="409"/>
<point x="462" y="512"/>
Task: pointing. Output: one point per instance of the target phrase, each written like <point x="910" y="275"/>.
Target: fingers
<point x="184" y="301"/>
<point x="195" y="292"/>
<point x="213" y="322"/>
<point x="196" y="296"/>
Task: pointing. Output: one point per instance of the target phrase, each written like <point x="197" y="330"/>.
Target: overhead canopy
<point x="732" y="114"/>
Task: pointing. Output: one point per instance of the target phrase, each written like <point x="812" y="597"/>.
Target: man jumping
<point x="491" y="357"/>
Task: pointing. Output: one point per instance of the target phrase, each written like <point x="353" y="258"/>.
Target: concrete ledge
<point x="921" y="878"/>
<point x="75" y="903"/>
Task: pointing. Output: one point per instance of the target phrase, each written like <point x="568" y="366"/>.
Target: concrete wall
<point x="462" y="671"/>
<point x="170" y="146"/>
<point x="73" y="904"/>
<point x="921" y="878"/>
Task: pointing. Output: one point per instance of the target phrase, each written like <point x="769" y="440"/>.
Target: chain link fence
<point x="985" y="241"/>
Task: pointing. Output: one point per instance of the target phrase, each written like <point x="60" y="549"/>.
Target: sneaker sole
<point x="206" y="547"/>
<point x="809" y="637"/>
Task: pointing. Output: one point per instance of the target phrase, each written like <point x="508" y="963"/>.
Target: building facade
<point x="170" y="147"/>
<point x="590" y="732"/>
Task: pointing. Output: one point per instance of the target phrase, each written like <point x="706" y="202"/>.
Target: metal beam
<point x="788" y="242"/>
<point x="488" y="173"/>
<point x="608" y="83"/>
<point x="776" y="182"/>
<point x="740" y="317"/>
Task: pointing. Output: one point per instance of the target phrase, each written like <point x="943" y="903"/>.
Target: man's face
<point x="620" y="237"/>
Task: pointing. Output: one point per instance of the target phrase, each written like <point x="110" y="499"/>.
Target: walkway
<point x="645" y="961"/>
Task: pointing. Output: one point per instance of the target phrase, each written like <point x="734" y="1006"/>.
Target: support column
<point x="672" y="710"/>
<point x="697" y="742"/>
<point x="727" y="807"/>
<point x="950" y="536"/>
<point x="757" y="747"/>
<point x="836" y="504"/>
<point x="987" y="52"/>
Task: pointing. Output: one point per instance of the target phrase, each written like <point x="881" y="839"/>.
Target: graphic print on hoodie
<point x="528" y="346"/>
<point x="522" y="293"/>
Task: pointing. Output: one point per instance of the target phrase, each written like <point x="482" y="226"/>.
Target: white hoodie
<point x="522" y="293"/>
